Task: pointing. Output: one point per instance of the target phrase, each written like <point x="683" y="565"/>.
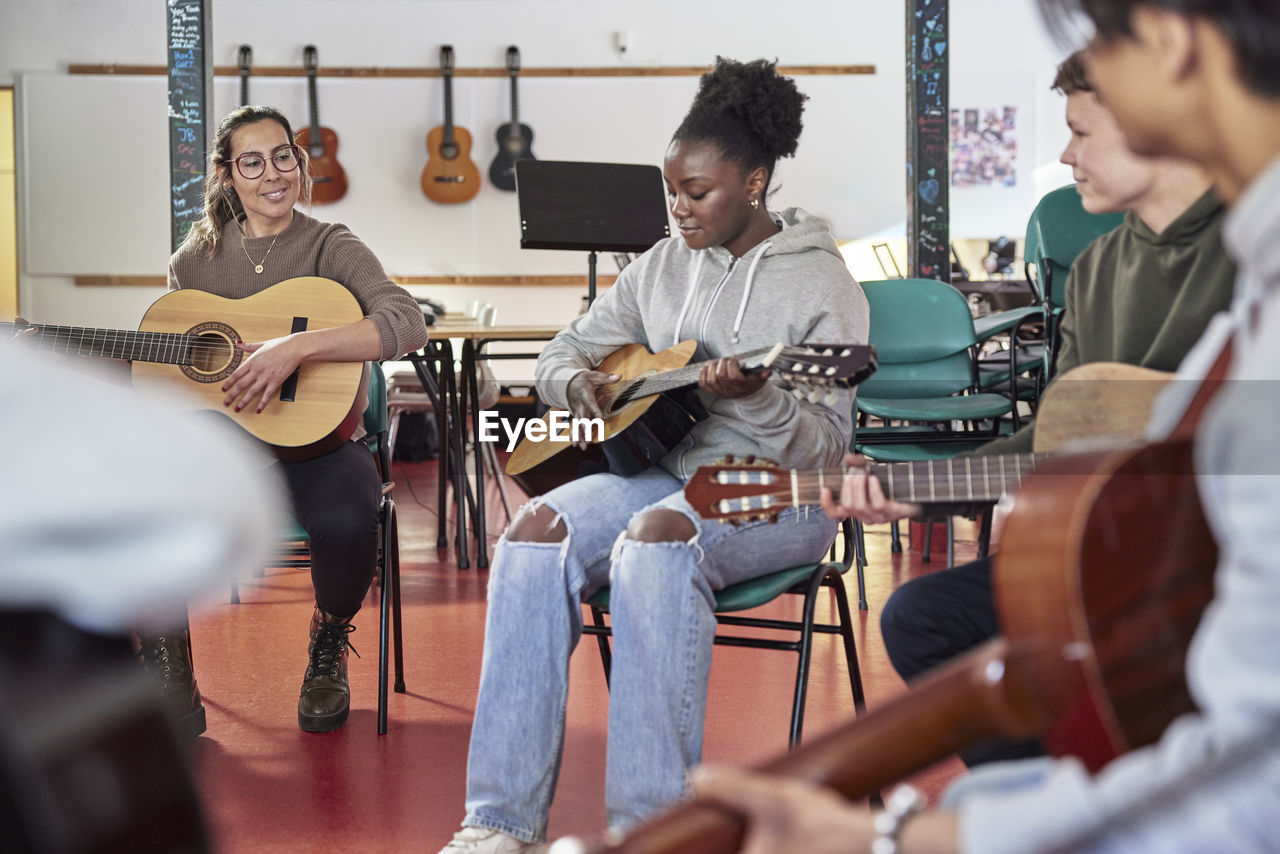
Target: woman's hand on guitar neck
<point x="862" y="497"/>
<point x="724" y="378"/>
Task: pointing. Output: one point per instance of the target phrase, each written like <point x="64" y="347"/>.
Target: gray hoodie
<point x="793" y="288"/>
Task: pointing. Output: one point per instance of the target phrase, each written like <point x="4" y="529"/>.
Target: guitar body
<point x="630" y="362"/>
<point x="329" y="179"/>
<point x="1117" y="561"/>
<point x="512" y="146"/>
<point x="450" y="177"/>
<point x="325" y="404"/>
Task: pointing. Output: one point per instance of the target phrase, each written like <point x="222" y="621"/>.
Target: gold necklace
<point x="257" y="268"/>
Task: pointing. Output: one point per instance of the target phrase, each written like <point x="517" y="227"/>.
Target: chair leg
<point x="859" y="563"/>
<point x="384" y="630"/>
<point x="235" y="591"/>
<point x="895" y="543"/>
<point x="396" y="612"/>
<point x="805" y="649"/>
<point x="492" y="457"/>
<point x="984" y="533"/>
<point x="951" y="541"/>
<point x="836" y="583"/>
<point x="602" y="640"/>
<point x="928" y="541"/>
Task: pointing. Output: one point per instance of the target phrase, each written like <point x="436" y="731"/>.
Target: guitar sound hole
<point x="213" y="356"/>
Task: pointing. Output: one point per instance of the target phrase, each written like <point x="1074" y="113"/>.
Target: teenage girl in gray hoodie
<point x="738" y="278"/>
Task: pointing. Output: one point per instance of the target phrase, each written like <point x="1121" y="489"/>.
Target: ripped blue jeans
<point x="661" y="602"/>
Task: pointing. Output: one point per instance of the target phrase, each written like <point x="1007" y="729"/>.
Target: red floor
<point x="267" y="786"/>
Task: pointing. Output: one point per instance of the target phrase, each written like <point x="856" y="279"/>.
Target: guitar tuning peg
<point x="769" y="462"/>
<point x="814" y="395"/>
<point x="728" y="459"/>
<point x="828" y="352"/>
<point x="749" y="459"/>
<point x="797" y="392"/>
<point x="830" y="399"/>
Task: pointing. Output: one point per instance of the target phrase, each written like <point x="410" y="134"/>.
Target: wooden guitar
<point x="1097" y="627"/>
<point x="244" y="59"/>
<point x="514" y="138"/>
<point x="1100" y="401"/>
<point x="328" y="178"/>
<point x="450" y="177"/>
<point x="185" y="347"/>
<point x="646" y="375"/>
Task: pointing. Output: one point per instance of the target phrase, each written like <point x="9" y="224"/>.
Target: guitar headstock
<point x="739" y="491"/>
<point x="513" y="60"/>
<point x="816" y="370"/>
<point x="446" y="58"/>
<point x="310" y="59"/>
<point x="244" y="58"/>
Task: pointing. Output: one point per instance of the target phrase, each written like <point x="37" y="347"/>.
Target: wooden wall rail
<point x="546" y="280"/>
<point x="603" y="71"/>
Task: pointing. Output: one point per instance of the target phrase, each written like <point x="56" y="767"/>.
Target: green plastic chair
<point x="295" y="553"/>
<point x="806" y="580"/>
<point x="927" y="376"/>
<point x="1057" y="232"/>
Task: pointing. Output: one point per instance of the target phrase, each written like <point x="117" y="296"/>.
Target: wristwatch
<point x="903" y="802"/>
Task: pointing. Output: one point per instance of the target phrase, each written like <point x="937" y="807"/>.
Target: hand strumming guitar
<point x="263" y="371"/>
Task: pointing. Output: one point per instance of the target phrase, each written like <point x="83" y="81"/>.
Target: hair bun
<point x="767" y="102"/>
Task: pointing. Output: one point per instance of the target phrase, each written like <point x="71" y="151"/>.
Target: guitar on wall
<point x="514" y="138"/>
<point x="244" y="59"/>
<point x="450" y="177"/>
<point x="186" y="343"/>
<point x="329" y="179"/>
<point x="646" y="376"/>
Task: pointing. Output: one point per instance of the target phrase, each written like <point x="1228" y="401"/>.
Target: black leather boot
<point x="167" y="656"/>
<point x="326" y="698"/>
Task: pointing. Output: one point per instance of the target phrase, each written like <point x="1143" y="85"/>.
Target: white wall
<point x="571" y="119"/>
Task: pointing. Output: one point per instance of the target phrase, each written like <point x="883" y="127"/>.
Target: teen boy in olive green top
<point x="1143" y="293"/>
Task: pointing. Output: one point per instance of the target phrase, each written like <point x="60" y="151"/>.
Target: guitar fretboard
<point x="173" y="348"/>
<point x="931" y="481"/>
<point x="681" y="377"/>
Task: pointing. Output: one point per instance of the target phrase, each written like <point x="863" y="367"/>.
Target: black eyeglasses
<point x="253" y="165"/>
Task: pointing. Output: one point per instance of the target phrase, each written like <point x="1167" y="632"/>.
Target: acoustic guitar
<point x="812" y="370"/>
<point x="1100" y="402"/>
<point x="328" y="178"/>
<point x="514" y="138"/>
<point x="450" y="177"/>
<point x="1096" y="632"/>
<point x="244" y="59"/>
<point x="185" y="347"/>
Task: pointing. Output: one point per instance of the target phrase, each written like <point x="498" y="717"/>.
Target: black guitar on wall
<point x="514" y="138"/>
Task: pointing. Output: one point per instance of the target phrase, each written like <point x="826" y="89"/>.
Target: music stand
<point x="592" y="207"/>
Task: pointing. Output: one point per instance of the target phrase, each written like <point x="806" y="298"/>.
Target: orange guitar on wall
<point x="329" y="179"/>
<point x="449" y="176"/>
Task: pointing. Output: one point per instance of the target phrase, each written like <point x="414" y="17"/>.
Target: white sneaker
<point x="482" y="840"/>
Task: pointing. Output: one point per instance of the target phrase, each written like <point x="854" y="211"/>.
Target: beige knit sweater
<point x="307" y="247"/>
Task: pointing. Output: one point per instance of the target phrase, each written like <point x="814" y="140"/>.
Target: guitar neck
<point x="971" y="479"/>
<point x="173" y="348"/>
<point x="244" y="86"/>
<point x="317" y="144"/>
<point x="448" y="108"/>
<point x="514" y="133"/>
<point x="687" y="375"/>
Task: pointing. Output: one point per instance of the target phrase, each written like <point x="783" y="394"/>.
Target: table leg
<point x="469" y="374"/>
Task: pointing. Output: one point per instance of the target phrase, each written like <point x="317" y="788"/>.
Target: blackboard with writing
<point x="190" y="93"/>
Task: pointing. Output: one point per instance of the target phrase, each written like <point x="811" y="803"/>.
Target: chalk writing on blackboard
<point x="190" y="82"/>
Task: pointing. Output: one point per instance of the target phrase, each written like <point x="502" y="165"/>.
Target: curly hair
<point x="220" y="204"/>
<point x="749" y="111"/>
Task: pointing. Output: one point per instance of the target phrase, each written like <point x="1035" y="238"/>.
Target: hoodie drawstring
<point x="688" y="300"/>
<point x="746" y="291"/>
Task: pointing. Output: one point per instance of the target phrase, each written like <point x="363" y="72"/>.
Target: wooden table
<point x="438" y="355"/>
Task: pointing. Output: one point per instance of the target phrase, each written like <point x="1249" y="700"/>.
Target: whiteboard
<point x="94" y="160"/>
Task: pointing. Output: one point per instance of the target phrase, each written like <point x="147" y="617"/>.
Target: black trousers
<point x="932" y="619"/>
<point x="335" y="500"/>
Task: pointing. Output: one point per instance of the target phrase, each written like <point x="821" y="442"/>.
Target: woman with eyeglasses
<point x="250" y="238"/>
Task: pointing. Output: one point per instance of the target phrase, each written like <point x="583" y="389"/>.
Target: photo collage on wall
<point x="984" y="146"/>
